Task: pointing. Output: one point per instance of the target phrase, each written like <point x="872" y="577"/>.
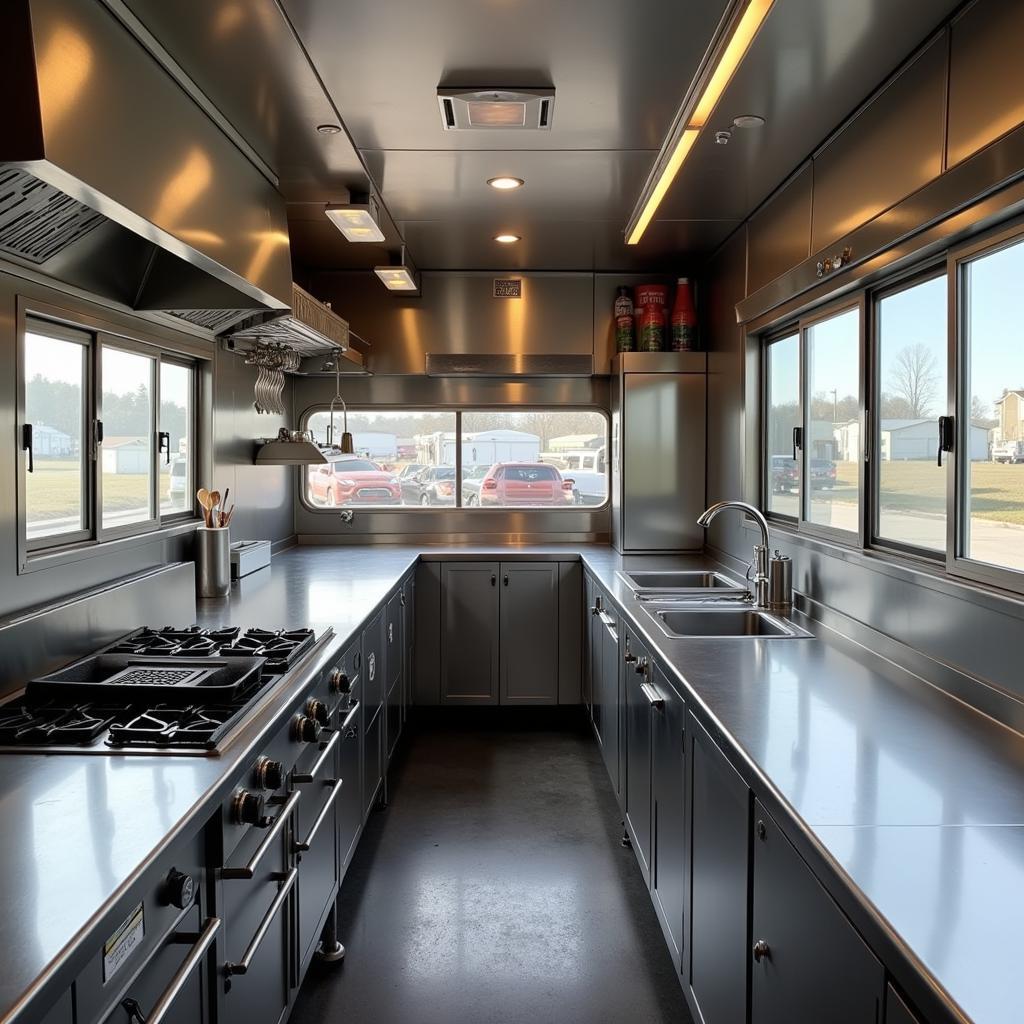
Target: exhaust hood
<point x="114" y="180"/>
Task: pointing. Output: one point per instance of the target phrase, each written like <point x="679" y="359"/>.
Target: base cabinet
<point x="469" y="633"/>
<point x="637" y="699"/>
<point x="896" y="1010"/>
<point x="808" y="961"/>
<point x="528" y="637"/>
<point x="719" y="826"/>
<point x="668" y="820"/>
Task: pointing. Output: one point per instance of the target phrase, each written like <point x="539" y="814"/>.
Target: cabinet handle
<point x="300" y="777"/>
<point x="596" y="610"/>
<point x="654" y="698"/>
<point x="606" y="619"/>
<point x="401" y="600"/>
<point x="505" y="579"/>
<point x="762" y="830"/>
<point x="641" y="667"/>
<point x="249" y="871"/>
<point x="302" y="845"/>
<point x="761" y="950"/>
<point x="391" y="632"/>
<point x="494" y="580"/>
<point x="249" y="955"/>
<point x="352" y="711"/>
<point x="629" y="657"/>
<point x="195" y="955"/>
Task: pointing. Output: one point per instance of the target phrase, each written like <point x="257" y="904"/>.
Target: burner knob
<point x="179" y="889"/>
<point x="339" y="682"/>
<point x="269" y="774"/>
<point x="317" y="710"/>
<point x="247" y="808"/>
<point x="305" y="729"/>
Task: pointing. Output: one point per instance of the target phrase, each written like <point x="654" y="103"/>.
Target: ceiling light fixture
<point x="697" y="108"/>
<point x="357" y="221"/>
<point x="329" y="129"/>
<point x="506" y="238"/>
<point x="505" y="183"/>
<point x="400" y="275"/>
<point x="748" y="121"/>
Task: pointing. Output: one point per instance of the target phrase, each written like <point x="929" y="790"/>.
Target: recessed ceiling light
<point x="748" y="121"/>
<point x="329" y="129"/>
<point x="506" y="239"/>
<point x="505" y="183"/>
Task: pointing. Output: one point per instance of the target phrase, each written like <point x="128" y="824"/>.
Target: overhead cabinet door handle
<point x="249" y="871"/>
<point x="249" y="955"/>
<point x="181" y="975"/>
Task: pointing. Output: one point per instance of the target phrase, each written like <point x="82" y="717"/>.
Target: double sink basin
<point x="689" y="604"/>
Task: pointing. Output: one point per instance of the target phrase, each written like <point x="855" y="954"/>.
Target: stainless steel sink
<point x="674" y="580"/>
<point x="725" y="623"/>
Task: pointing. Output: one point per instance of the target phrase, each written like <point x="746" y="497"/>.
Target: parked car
<point x="1008" y="451"/>
<point x="823" y="473"/>
<point x="785" y="474"/>
<point x="472" y="478"/>
<point x="432" y="485"/>
<point x="353" y="481"/>
<point x="588" y="488"/>
<point x="178" y="478"/>
<point x="516" y="484"/>
<point x="410" y="470"/>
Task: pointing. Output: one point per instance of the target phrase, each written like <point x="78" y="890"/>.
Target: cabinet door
<point x="350" y="802"/>
<point x="718" y="932"/>
<point x="590" y="663"/>
<point x="374" y="670"/>
<point x="529" y="633"/>
<point x="469" y="633"/>
<point x="896" y="1010"/>
<point x="610" y="682"/>
<point x="372" y="743"/>
<point x="409" y="639"/>
<point x="636" y="683"/>
<point x="809" y="962"/>
<point x="395" y="658"/>
<point x="668" y="826"/>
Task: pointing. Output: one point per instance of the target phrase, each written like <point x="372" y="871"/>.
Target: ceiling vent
<point x="496" y="109"/>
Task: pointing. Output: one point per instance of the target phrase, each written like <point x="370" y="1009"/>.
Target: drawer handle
<point x="325" y="754"/>
<point x="353" y="711"/>
<point x="606" y="619"/>
<point x="249" y="870"/>
<point x="641" y="667"/>
<point x="195" y="955"/>
<point x="761" y="950"/>
<point x="245" y="963"/>
<point x="654" y="698"/>
<point x="302" y="845"/>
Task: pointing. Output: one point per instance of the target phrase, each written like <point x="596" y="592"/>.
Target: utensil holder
<point x="213" y="561"/>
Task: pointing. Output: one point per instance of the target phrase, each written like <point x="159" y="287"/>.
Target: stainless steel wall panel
<point x="891" y="148"/>
<point x="986" y="75"/>
<point x="779" y="233"/>
<point x="48" y="636"/>
<point x="263" y="496"/>
<point x="457" y="313"/>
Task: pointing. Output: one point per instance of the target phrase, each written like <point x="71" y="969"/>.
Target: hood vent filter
<point x="36" y="220"/>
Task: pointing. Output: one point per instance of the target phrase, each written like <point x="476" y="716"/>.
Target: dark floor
<point x="494" y="888"/>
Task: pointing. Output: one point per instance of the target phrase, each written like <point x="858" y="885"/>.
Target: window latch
<point x="798" y="441"/>
<point x="27" y="446"/>
<point x="947" y="435"/>
<point x="163" y="443"/>
<point x="97" y="438"/>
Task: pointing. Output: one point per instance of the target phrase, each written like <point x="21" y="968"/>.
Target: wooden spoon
<point x="203" y="497"/>
<point x="214" y="503"/>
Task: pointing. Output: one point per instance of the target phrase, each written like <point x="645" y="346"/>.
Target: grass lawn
<point x="53" y="490"/>
<point x="997" y="489"/>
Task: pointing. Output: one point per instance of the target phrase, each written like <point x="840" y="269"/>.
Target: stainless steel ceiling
<point x="619" y="69"/>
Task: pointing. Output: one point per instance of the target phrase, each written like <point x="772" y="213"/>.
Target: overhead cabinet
<point x="499" y="633"/>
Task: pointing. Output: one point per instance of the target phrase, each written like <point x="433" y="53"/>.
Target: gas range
<point x="154" y="691"/>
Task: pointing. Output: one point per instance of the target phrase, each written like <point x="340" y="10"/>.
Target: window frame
<point x="802" y="525"/>
<point x="918" y="275"/>
<point x="457" y="505"/>
<point x="791" y="330"/>
<point x="958" y="564"/>
<point x="95" y="335"/>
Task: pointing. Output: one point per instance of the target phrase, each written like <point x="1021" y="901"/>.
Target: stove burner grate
<point x="52" y="724"/>
<point x="161" y="726"/>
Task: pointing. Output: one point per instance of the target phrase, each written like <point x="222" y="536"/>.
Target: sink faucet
<point x="760" y="550"/>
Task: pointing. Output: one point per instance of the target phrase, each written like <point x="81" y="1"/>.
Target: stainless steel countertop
<point x="915" y="801"/>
